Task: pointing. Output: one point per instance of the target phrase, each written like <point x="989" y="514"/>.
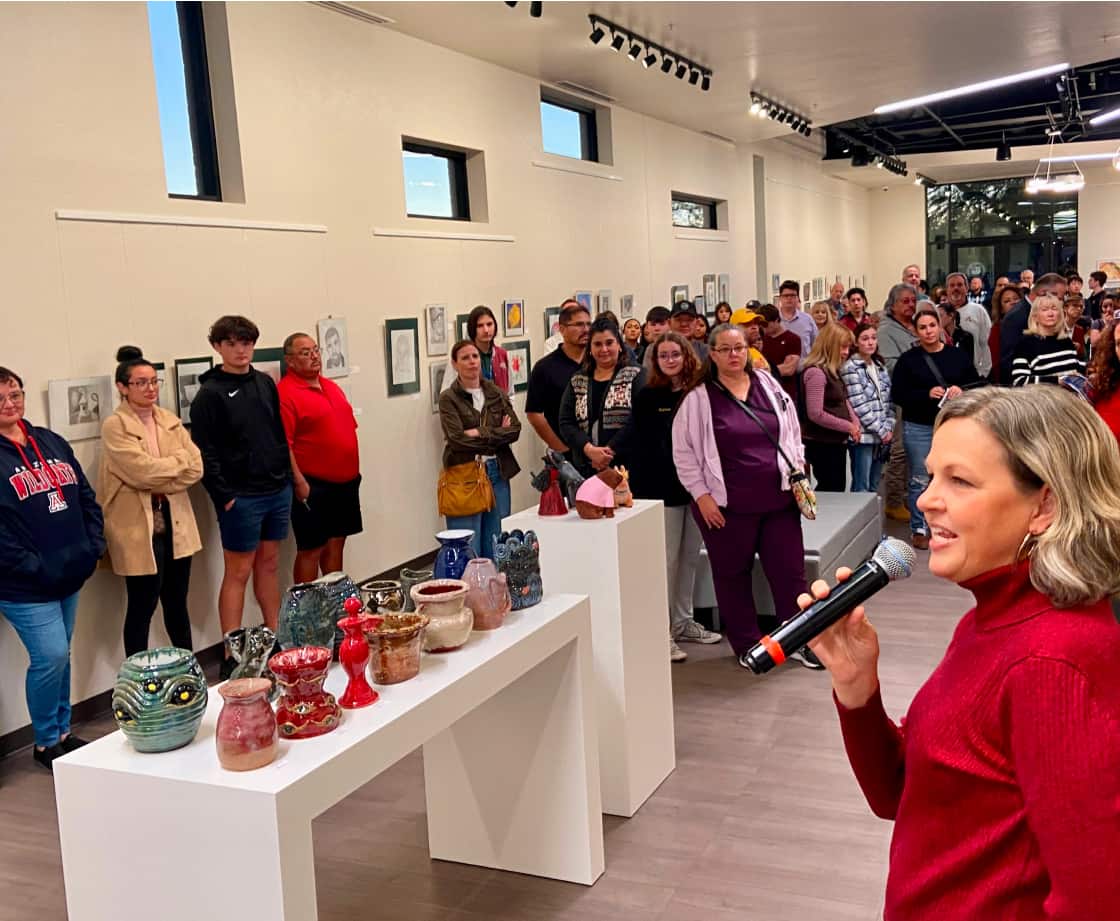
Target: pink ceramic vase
<point x="353" y="654"/>
<point x="246" y="731"/>
<point x="487" y="593"/>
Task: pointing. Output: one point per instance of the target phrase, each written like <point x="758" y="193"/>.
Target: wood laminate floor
<point x="762" y="818"/>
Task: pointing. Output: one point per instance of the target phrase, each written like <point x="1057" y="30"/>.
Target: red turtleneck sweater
<point x="1004" y="778"/>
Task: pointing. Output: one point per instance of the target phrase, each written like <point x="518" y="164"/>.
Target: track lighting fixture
<point x="766" y="108"/>
<point x="1003" y="150"/>
<point x="634" y="43"/>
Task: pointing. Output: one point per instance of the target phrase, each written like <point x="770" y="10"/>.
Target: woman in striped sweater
<point x="1046" y="352"/>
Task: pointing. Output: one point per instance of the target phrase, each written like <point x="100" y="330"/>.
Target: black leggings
<point x="169" y="585"/>
<point x="830" y="464"/>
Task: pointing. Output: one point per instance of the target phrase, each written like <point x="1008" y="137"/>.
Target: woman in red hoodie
<point x="1104" y="378"/>
<point x="1003" y="781"/>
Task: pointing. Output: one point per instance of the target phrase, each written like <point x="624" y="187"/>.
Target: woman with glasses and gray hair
<point x="50" y="540"/>
<point x="1002" y="781"/>
<point x="148" y="461"/>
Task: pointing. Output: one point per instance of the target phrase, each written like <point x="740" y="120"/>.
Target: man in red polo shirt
<point x="323" y="443"/>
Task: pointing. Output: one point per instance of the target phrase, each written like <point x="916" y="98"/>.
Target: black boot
<point x="46" y="756"/>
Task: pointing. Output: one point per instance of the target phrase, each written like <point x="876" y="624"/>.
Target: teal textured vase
<point x="310" y="611"/>
<point x="159" y="698"/>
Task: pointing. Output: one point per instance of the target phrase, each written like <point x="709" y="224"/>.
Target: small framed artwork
<point x="584" y="297"/>
<point x="775" y="282"/>
<point x="461" y="326"/>
<point x="805" y="292"/>
<point x="626" y="307"/>
<point x="435" y="328"/>
<point x="518" y="364"/>
<point x="335" y="344"/>
<point x="402" y="356"/>
<point x="551" y="321"/>
<point x="678" y="293"/>
<point x="79" y="406"/>
<point x="699" y="302"/>
<point x="723" y="287"/>
<point x="437" y="370"/>
<point x="513" y="318"/>
<point x="271" y="362"/>
<point x="164" y="399"/>
<point x="187" y="384"/>
<point x="709" y="291"/>
<point x="603" y="300"/>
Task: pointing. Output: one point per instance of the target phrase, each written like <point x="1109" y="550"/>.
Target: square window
<point x="435" y="182"/>
<point x="568" y="131"/>
<point x="697" y="213"/>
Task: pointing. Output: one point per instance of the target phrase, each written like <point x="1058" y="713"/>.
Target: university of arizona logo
<point x="55" y="503"/>
<point x="28" y="482"/>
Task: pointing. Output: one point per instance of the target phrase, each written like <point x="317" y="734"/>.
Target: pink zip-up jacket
<point x="694" y="440"/>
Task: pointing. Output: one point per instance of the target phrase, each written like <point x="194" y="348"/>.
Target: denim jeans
<point x="486" y="525"/>
<point x="866" y="471"/>
<point x="45" y="627"/>
<point x="918" y="440"/>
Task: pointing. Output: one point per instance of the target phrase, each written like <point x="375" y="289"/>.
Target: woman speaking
<point x="1003" y="782"/>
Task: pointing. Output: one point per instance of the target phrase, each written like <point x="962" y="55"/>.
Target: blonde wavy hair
<point x="1053" y="438"/>
<point x="825" y="353"/>
<point x="1048" y="300"/>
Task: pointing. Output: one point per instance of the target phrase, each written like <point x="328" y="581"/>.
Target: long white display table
<point x="510" y="771"/>
<point x="620" y="563"/>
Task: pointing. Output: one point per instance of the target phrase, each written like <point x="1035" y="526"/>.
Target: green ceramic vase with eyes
<point x="159" y="699"/>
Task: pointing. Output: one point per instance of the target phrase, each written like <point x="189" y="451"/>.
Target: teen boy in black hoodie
<point x="235" y="421"/>
<point x="50" y="541"/>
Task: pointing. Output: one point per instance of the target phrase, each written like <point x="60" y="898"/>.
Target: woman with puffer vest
<point x="829" y="421"/>
<point x="148" y="461"/>
<point x="50" y="541"/>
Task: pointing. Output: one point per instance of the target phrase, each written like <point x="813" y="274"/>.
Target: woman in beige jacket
<point x="147" y="462"/>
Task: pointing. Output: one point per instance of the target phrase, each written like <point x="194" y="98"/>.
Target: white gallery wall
<point x="322" y="102"/>
<point x="898" y="237"/>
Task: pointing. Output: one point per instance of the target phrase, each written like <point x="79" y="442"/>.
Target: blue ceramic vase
<point x="159" y="698"/>
<point x="310" y="611"/>
<point x="454" y="551"/>
<point x="518" y="555"/>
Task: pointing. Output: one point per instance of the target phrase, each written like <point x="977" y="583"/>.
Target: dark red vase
<point x="353" y="654"/>
<point x="552" y="500"/>
<point x="305" y="709"/>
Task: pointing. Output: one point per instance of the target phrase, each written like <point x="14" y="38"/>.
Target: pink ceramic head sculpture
<point x="595" y="498"/>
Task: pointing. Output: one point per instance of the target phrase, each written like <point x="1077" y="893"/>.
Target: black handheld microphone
<point x="893" y="559"/>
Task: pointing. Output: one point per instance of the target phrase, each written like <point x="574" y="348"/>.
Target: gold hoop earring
<point x="1027" y="547"/>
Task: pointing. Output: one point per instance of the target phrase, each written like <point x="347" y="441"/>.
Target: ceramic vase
<point x="487" y="593"/>
<point x="444" y="602"/>
<point x="454" y="551"/>
<point x="354" y="653"/>
<point x="409" y="578"/>
<point x="250" y="648"/>
<point x="552" y="500"/>
<point x="159" y="698"/>
<point x="309" y="615"/>
<point x="518" y="555"/>
<point x="382" y="596"/>
<point x="304" y="709"/>
<point x="337" y="587"/>
<point x="394" y="647"/>
<point x="246" y="732"/>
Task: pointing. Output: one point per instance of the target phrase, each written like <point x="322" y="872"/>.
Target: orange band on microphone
<point x="773" y="648"/>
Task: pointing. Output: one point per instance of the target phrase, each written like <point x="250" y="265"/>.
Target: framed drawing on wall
<point x="678" y="293"/>
<point x="626" y="307"/>
<point x="709" y="291"/>
<point x="461" y="327"/>
<point x="585" y="298"/>
<point x="436" y="372"/>
<point x="165" y="399"/>
<point x="77" y="407"/>
<point x="518" y="364"/>
<point x="271" y="362"/>
<point x="187" y="374"/>
<point x="700" y="304"/>
<point x="335" y="344"/>
<point x="402" y="356"/>
<point x="435" y="328"/>
<point x="513" y="317"/>
<point x="723" y="288"/>
<point x="805" y="292"/>
<point x="551" y="321"/>
<point x="603" y="301"/>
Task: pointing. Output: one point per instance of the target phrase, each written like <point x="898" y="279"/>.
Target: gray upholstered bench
<point x="847" y="528"/>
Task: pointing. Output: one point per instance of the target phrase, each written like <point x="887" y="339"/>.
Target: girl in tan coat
<point x="147" y="462"/>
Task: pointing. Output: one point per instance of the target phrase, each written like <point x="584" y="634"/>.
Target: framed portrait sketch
<point x="461" y="326"/>
<point x="435" y="329"/>
<point x="700" y="304"/>
<point x="513" y="318"/>
<point x="626" y="307"/>
<point x="678" y="293"/>
<point x="805" y="291"/>
<point x="402" y="356"/>
<point x="187" y="374"/>
<point x="709" y="291"/>
<point x="518" y="364"/>
<point x="551" y="321"/>
<point x="723" y="288"/>
<point x="603" y="301"/>
<point x="77" y="407"/>
<point x="437" y="370"/>
<point x="584" y="297"/>
<point x="335" y="346"/>
<point x="271" y="362"/>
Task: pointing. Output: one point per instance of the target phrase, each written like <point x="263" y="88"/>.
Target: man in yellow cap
<point x="752" y="324"/>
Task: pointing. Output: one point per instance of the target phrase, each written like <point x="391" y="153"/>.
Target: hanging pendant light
<point x="1062" y="182"/>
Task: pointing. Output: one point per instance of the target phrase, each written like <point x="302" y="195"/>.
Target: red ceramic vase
<point x="304" y="709"/>
<point x="353" y="654"/>
<point x="552" y="500"/>
<point x="246" y="731"/>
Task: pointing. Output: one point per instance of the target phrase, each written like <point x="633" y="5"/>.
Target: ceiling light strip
<point x="919" y="101"/>
<point x="638" y="47"/>
<point x="764" y="107"/>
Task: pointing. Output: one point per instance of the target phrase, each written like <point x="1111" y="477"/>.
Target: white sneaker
<point x="676" y="654"/>
<point x="694" y="632"/>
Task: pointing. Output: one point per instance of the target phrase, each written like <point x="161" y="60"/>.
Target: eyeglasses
<point x="147" y="383"/>
<point x="307" y="353"/>
<point x="733" y="349"/>
<point x="670" y="356"/>
<point x="15" y="397"/>
<point x="583" y="324"/>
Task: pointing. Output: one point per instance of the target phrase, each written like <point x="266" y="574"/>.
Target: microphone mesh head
<point x="896" y="557"/>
